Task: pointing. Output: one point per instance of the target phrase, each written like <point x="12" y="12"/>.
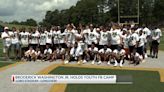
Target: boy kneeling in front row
<point x="91" y="54"/>
<point x="105" y="55"/>
<point x="76" y="53"/>
<point x="47" y="53"/>
<point x="118" y="57"/>
<point x="58" y="53"/>
<point x="30" y="54"/>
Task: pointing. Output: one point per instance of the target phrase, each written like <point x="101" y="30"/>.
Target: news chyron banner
<point x="65" y="79"/>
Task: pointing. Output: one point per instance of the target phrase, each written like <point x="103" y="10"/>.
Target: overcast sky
<point x="23" y="9"/>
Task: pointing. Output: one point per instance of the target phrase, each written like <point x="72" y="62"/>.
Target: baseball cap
<point x="6" y="28"/>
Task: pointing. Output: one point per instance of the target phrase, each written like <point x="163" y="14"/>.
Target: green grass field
<point x="4" y="64"/>
<point x="1" y="48"/>
<point x="161" y="46"/>
<point x="143" y="81"/>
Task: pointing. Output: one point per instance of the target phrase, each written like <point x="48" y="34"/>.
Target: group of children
<point x="111" y="44"/>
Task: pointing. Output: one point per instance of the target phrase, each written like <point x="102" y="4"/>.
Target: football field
<point x="143" y="81"/>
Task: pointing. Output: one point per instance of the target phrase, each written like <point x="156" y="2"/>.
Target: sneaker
<point x="146" y="56"/>
<point x="66" y="62"/>
<point x="99" y="62"/>
<point x="108" y="63"/>
<point x="84" y="61"/>
<point x="121" y="63"/>
<point x="78" y="62"/>
<point x="93" y="62"/>
<point x="143" y="61"/>
<point x="115" y="63"/>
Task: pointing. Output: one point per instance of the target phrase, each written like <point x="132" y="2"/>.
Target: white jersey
<point x="49" y="37"/>
<point x="6" y="38"/>
<point x="29" y="52"/>
<point x="42" y="40"/>
<point x="156" y="34"/>
<point x="34" y="38"/>
<point x="48" y="51"/>
<point x="134" y="38"/>
<point x="85" y="35"/>
<point x="108" y="50"/>
<point x="76" y="51"/>
<point x="115" y="37"/>
<point x="24" y="37"/>
<point x="104" y="37"/>
<point x="37" y="53"/>
<point x="92" y="37"/>
<point x="60" y="51"/>
<point x="138" y="30"/>
<point x="14" y="38"/>
<point x="119" y="54"/>
<point x="142" y="40"/>
<point x="62" y="38"/>
<point x="147" y="31"/>
<point x="82" y="45"/>
<point x="71" y="36"/>
<point x="56" y="37"/>
<point x="126" y="40"/>
<point x="95" y="49"/>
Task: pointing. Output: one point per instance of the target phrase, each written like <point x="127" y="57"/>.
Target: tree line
<point x="28" y="22"/>
<point x="105" y="11"/>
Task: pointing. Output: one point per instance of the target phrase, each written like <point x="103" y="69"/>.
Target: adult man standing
<point x="6" y="42"/>
<point x="156" y="35"/>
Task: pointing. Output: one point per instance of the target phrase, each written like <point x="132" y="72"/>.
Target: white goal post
<point x="135" y="19"/>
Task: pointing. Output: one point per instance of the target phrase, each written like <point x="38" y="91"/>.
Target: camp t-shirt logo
<point x="155" y="34"/>
<point x="49" y="36"/>
<point x="14" y="35"/>
<point x="24" y="37"/>
<point x="131" y="38"/>
<point x="56" y="36"/>
<point x="92" y="35"/>
<point x="114" y="34"/>
<point x="70" y="36"/>
<point x="43" y="37"/>
<point x="105" y="36"/>
<point x="34" y="38"/>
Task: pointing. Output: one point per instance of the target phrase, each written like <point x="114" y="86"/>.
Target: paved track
<point x="35" y="67"/>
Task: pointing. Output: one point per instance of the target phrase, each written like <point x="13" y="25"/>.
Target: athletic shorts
<point x="16" y="46"/>
<point x="131" y="49"/>
<point x="140" y="50"/>
<point x="42" y="48"/>
<point x="155" y="43"/>
<point x="56" y="45"/>
<point x="100" y="46"/>
<point x="113" y="47"/>
<point x="63" y="45"/>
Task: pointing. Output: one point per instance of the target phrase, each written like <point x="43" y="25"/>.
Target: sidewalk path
<point x="24" y="68"/>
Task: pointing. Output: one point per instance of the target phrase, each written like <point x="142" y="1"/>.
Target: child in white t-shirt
<point x="105" y="55"/>
<point x="30" y="54"/>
